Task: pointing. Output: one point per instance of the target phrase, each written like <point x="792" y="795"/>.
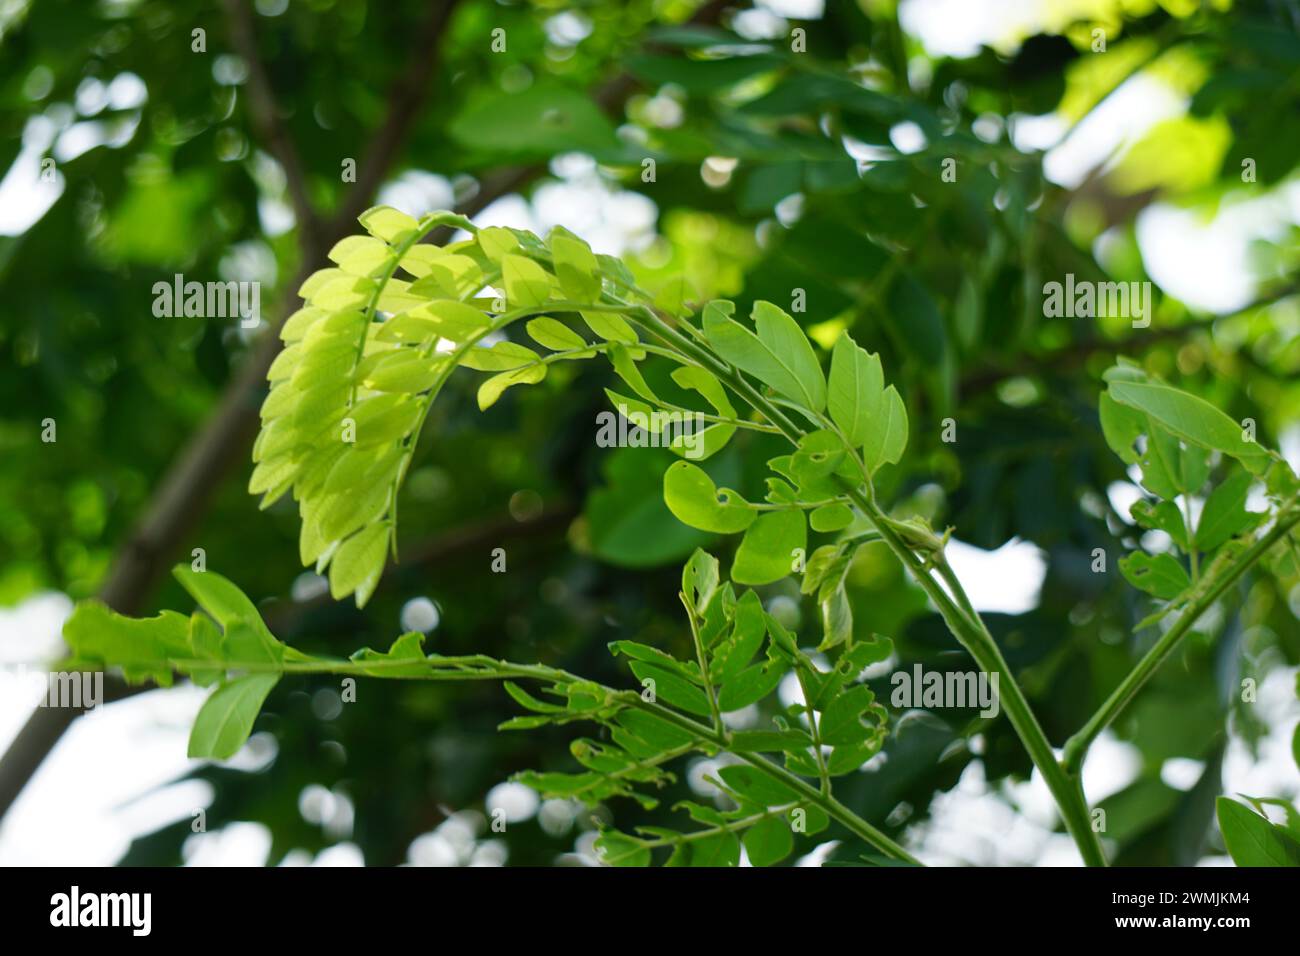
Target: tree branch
<point x="264" y="110"/>
<point x="404" y="102"/>
<point x="194" y="477"/>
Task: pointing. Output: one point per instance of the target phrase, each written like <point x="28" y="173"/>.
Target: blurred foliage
<point x="942" y="278"/>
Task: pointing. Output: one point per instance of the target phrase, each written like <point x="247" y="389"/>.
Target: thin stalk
<point x="966" y="626"/>
<point x="1076" y="748"/>
<point x="474" y="667"/>
<point x="829" y="804"/>
<point x="718" y="725"/>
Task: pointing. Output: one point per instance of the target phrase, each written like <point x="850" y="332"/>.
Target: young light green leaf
<point x="496" y="242"/>
<point x="499" y="358"/>
<point x="493" y="388"/>
<point x="693" y="498"/>
<point x="226" y="719"/>
<point x="142" y="648"/>
<point x="229" y="605"/>
<point x="576" y="267"/>
<point x="771" y="547"/>
<point x="779" y="355"/>
<point x="700" y="580"/>
<point x="526" y="282"/>
<point x="358" y="563"/>
<point x="388" y="224"/>
<point x="887" y="433"/>
<point x="611" y="327"/>
<point x="856" y="392"/>
<point x="832" y="517"/>
<point x="553" y="335"/>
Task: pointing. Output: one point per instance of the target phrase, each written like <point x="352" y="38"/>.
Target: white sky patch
<point x="907" y="137"/>
<point x="795" y="9"/>
<point x="1116" y="123"/>
<point x="24" y="196"/>
<point x="611" y="220"/>
<point x="239" y="844"/>
<point x="76" y="809"/>
<point x="1206" y="262"/>
<point x="956" y="28"/>
<point x="1006" y="580"/>
<point x="1030" y="133"/>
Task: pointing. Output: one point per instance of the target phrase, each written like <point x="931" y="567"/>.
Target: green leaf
<point x="1251" y="839"/>
<point x="427" y="321"/>
<point x="652" y="655"/>
<point x="617" y="849"/>
<point x="1162" y="516"/>
<point x="1225" y="515"/>
<point x="496" y="242"/>
<point x="540" y="121"/>
<point x="767" y="552"/>
<point x="226" y="718"/>
<point x="576" y="268"/>
<point x="841" y="721"/>
<point x="750" y="686"/>
<point x="230" y="607"/>
<point x="406" y="371"/>
<point x="1160" y="575"/>
<point x="780" y="355"/>
<point x="361" y="255"/>
<point x="717" y="850"/>
<point x="887" y="433"/>
<point x="700" y="581"/>
<point x="769" y="841"/>
<point x="526" y="282"/>
<point x="611" y="327"/>
<point x="1161" y="462"/>
<point x="856" y="391"/>
<point x="757" y="786"/>
<point x="493" y="388"/>
<point x="407" y="648"/>
<point x="388" y="224"/>
<point x="734" y="652"/>
<point x="621" y="358"/>
<point x="693" y="498"/>
<point x="556" y="336"/>
<point x="500" y="357"/>
<point x="217" y="595"/>
<point x="1121" y="426"/>
<point x="1190" y="418"/>
<point x="832" y="517"/>
<point x="672" y="688"/>
<point x="142" y="648"/>
<point x="358" y="564"/>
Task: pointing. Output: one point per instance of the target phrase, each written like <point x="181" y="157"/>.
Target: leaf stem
<point x="1076" y="748"/>
<point x="963" y="622"/>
